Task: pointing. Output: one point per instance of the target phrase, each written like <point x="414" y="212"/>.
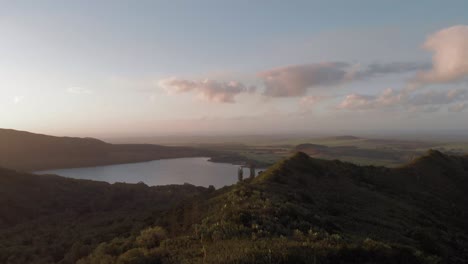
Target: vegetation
<point x="301" y="210"/>
<point x="24" y="150"/>
<point x="267" y="150"/>
<point x="49" y="219"/>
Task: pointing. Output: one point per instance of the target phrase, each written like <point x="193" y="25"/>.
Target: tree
<point x="240" y="174"/>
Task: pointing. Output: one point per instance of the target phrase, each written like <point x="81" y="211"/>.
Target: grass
<point x="271" y="150"/>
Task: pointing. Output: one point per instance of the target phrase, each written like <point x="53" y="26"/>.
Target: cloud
<point x="428" y="101"/>
<point x="17" y="99"/>
<point x="449" y="64"/>
<point x="450" y="59"/>
<point x="296" y="80"/>
<point x="289" y="81"/>
<point x="458" y="107"/>
<point x="425" y="108"/>
<point x="438" y="97"/>
<point x="387" y="99"/>
<point x="308" y="103"/>
<point x="357" y="101"/>
<point x="209" y="90"/>
<point x="312" y="100"/>
<point x="376" y="69"/>
<point x="79" y="90"/>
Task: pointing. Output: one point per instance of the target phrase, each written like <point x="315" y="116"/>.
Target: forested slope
<point x="48" y="219"/>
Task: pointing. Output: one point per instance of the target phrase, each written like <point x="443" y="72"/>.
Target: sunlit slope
<point x="305" y="210"/>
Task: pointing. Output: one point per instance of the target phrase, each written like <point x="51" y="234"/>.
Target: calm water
<point x="197" y="171"/>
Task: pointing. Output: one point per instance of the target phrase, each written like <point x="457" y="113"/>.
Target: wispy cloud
<point x="312" y="100"/>
<point x="356" y="101"/>
<point x="439" y="97"/>
<point x="209" y="90"/>
<point x="296" y="80"/>
<point x="79" y="90"/>
<point x="458" y="107"/>
<point x="18" y="99"/>
<point x="377" y="69"/>
<point x="434" y="99"/>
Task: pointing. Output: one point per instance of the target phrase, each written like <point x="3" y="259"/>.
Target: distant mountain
<point x="301" y="210"/>
<point x="346" y="137"/>
<point x="333" y="152"/>
<point x="32" y="152"/>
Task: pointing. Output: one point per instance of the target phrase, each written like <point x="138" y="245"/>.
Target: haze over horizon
<point x="109" y="68"/>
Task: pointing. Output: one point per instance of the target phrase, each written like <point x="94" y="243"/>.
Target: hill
<point x="346" y="137"/>
<point x="301" y="210"/>
<point x="331" y="152"/>
<point x="338" y="212"/>
<point x="25" y="151"/>
<point x="49" y="219"/>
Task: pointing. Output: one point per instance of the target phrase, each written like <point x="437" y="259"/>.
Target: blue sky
<point x="164" y="67"/>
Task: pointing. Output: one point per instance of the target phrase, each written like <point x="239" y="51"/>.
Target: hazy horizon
<point x="153" y="68"/>
<point x="184" y="138"/>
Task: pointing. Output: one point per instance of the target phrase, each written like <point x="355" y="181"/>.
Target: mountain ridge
<point x="300" y="194"/>
<point x="25" y="151"/>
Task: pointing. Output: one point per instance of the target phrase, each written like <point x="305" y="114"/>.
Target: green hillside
<point x="301" y="210"/>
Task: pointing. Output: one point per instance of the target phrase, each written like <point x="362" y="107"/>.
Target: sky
<point x="142" y="68"/>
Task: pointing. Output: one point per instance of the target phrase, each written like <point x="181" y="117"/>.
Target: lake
<point x="196" y="171"/>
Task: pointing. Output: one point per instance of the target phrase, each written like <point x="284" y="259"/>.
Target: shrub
<point x="151" y="237"/>
<point x="133" y="256"/>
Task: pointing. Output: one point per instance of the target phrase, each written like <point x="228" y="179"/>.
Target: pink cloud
<point x="209" y="90"/>
<point x="312" y="100"/>
<point x="458" y="107"/>
<point x="357" y="101"/>
<point x="389" y="98"/>
<point x="450" y="59"/>
<point x="449" y="64"/>
<point x="308" y="103"/>
<point x="296" y="79"/>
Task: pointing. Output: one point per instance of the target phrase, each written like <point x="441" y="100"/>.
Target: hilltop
<point x="301" y="210"/>
<point x="415" y="213"/>
<point x="25" y="151"/>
